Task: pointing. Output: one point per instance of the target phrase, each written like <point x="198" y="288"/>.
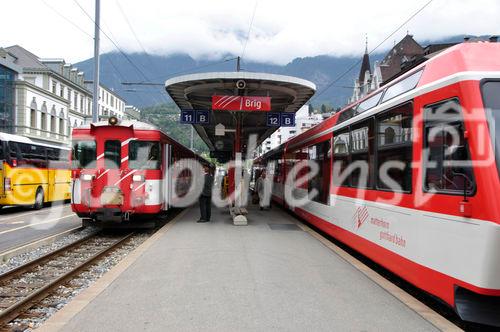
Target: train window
<point x="341" y="158"/>
<point x="346" y="115"/>
<point x="448" y="167"/>
<point x="394" y="129"/>
<point x="112" y="154"/>
<point x="319" y="154"/>
<point x="369" y="103"/>
<point x="362" y="153"/>
<point x="491" y="100"/>
<point x="144" y="155"/>
<point x="84" y="154"/>
<point x="402" y="86"/>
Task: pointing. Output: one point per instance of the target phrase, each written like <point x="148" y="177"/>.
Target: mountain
<point x="141" y="67"/>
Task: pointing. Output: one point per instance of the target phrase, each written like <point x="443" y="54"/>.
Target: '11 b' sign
<point x="194" y="117"/>
<point x="280" y="119"/>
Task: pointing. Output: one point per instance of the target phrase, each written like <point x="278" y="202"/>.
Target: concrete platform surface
<point x="260" y="277"/>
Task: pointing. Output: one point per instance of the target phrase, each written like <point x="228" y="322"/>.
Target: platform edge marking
<point x="411" y="302"/>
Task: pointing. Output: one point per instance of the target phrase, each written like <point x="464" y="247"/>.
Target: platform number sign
<point x="202" y="118"/>
<point x="187" y="116"/>
<point x="288" y="119"/>
<point x="273" y="119"/>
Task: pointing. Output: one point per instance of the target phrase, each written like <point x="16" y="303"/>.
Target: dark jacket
<point x="207" y="185"/>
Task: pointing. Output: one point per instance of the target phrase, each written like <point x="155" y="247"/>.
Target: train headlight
<point x="138" y="178"/>
<point x="87" y="177"/>
<point x="113" y="120"/>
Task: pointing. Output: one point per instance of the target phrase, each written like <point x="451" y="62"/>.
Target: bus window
<point x="57" y="158"/>
<point x="84" y="154"/>
<point x="2" y="155"/>
<point x="33" y="155"/>
<point x="144" y="155"/>
<point x="112" y="154"/>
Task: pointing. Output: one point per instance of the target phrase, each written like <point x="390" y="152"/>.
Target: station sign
<point x="200" y="117"/>
<point x="273" y="119"/>
<point x="280" y="119"/>
<point x="241" y="103"/>
<point x="288" y="119"/>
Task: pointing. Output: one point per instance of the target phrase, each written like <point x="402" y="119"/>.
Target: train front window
<point x="83" y="154"/>
<point x="491" y="99"/>
<point x="112" y="154"/>
<point x="144" y="155"/>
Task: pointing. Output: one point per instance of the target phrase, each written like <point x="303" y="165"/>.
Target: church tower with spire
<point x="366" y="81"/>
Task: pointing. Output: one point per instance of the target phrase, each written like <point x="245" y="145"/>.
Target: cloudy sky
<point x="281" y="29"/>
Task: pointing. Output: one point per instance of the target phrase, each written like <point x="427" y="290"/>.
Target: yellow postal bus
<point x="32" y="173"/>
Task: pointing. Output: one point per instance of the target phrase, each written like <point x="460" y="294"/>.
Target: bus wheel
<point x="38" y="199"/>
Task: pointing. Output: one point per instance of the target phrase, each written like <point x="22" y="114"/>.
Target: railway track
<point x="28" y="284"/>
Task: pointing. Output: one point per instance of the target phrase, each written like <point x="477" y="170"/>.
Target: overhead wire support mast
<point x="95" y="97"/>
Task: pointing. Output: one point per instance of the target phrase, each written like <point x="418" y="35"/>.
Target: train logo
<point x="360" y="216"/>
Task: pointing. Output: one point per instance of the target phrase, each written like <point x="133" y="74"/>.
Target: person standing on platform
<point x="260" y="188"/>
<point x="206" y="196"/>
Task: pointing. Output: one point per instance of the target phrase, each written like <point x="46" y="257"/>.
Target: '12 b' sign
<point x="280" y="119"/>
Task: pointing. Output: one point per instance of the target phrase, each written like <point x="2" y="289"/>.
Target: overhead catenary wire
<point x="329" y="85"/>
<point x="117" y="47"/>
<point x="91" y="37"/>
<point x="112" y="41"/>
<point x="249" y="30"/>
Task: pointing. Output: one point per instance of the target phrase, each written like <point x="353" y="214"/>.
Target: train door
<point x="167" y="181"/>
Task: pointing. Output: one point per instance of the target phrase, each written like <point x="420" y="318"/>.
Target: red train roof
<point x="465" y="57"/>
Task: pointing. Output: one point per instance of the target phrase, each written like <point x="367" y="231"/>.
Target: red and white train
<point x="441" y="230"/>
<point x="122" y="171"/>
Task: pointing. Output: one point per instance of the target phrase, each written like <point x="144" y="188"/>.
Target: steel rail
<point x="13" y="311"/>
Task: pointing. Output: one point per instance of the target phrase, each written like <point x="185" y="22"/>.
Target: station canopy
<point x="196" y="91"/>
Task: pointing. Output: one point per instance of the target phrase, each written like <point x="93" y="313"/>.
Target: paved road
<point x="19" y="226"/>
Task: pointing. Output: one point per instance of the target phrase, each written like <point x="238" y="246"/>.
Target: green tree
<point x="166" y="117"/>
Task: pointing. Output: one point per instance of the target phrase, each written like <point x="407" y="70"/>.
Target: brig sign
<point x="241" y="103"/>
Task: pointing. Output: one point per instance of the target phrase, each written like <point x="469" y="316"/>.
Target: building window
<point x="52" y="124"/>
<point x="54" y="87"/>
<point x="447" y="162"/>
<point x="61" y="126"/>
<point x="44" y="121"/>
<point x="75" y="101"/>
<point x="33" y="118"/>
<point x="69" y="95"/>
<point x="395" y="146"/>
<point x="61" y="92"/>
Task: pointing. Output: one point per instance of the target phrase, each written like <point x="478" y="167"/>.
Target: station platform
<point x="269" y="275"/>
